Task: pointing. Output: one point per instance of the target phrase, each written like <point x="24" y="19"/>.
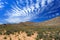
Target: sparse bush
<point x="39" y="36"/>
<point x="29" y="33"/>
<point x="5" y="37"/>
<point x="9" y="32"/>
<point x="57" y="37"/>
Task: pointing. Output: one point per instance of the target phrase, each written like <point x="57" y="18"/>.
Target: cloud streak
<point x="17" y="15"/>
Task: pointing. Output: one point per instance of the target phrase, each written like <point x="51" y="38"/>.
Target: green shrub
<point x="9" y="32"/>
<point x="29" y="33"/>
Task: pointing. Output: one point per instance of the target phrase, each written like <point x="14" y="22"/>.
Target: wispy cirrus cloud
<point x="17" y="15"/>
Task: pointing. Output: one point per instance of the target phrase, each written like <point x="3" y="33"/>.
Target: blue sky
<point x="16" y="11"/>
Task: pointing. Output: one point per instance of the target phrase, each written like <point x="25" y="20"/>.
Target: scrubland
<point x="29" y="32"/>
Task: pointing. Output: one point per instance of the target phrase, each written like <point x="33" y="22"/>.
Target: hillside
<point x="52" y="22"/>
<point x="48" y="30"/>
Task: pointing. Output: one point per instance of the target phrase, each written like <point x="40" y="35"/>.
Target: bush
<point x="5" y="37"/>
<point x="29" y="33"/>
<point x="9" y="32"/>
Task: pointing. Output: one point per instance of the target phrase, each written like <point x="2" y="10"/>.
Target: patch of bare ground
<point x="22" y="35"/>
<point x="19" y="36"/>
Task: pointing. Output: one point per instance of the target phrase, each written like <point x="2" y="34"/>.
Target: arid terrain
<point x="48" y="30"/>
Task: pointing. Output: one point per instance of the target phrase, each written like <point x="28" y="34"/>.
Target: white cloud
<point x="1" y="5"/>
<point x="49" y="1"/>
<point x="17" y="19"/>
<point x="17" y="15"/>
<point x="12" y="20"/>
<point x="43" y="3"/>
<point x="37" y="5"/>
<point x="57" y="14"/>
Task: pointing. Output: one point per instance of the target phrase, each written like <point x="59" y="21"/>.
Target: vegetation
<point x="45" y="32"/>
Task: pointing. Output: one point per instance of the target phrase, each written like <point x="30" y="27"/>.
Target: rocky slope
<point x="52" y="22"/>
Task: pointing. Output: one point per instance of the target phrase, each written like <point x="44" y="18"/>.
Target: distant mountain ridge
<point x="52" y="22"/>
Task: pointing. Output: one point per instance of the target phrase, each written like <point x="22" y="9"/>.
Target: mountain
<point x="52" y="22"/>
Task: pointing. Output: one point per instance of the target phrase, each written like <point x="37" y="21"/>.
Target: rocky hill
<point x="48" y="30"/>
<point x="52" y="22"/>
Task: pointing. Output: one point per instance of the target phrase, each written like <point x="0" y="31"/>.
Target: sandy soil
<point x="19" y="36"/>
